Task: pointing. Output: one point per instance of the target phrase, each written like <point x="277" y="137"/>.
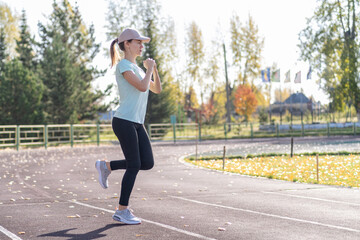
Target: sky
<point x="279" y="22"/>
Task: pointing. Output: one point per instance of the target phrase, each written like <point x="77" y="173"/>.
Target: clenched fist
<point x="149" y="63"/>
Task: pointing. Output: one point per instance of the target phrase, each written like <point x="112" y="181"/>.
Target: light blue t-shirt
<point x="132" y="101"/>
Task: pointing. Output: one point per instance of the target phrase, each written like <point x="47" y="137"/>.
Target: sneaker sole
<point x="126" y="222"/>
<point x="97" y="166"/>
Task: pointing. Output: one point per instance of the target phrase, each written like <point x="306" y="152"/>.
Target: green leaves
<point x="52" y="85"/>
<point x="68" y="48"/>
<point x="21" y="93"/>
<point x="21" y="90"/>
<point x="247" y="47"/>
<point x="24" y="46"/>
<point x="196" y="59"/>
<point x="330" y="44"/>
<point x="160" y="106"/>
<point x="9" y="22"/>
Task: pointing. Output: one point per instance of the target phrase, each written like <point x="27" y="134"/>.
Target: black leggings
<point x="136" y="147"/>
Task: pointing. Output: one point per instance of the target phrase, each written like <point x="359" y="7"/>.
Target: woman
<point x="133" y="84"/>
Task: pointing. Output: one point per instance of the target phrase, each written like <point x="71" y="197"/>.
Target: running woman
<point x="128" y="121"/>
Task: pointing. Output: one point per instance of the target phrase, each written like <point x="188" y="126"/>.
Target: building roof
<point x="297" y="98"/>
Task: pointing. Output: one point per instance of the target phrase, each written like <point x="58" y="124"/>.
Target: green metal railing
<point x="22" y="136"/>
<point x="17" y="136"/>
<point x="173" y="132"/>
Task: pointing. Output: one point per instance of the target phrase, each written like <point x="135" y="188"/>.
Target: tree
<point x="160" y="106"/>
<point x="9" y="22"/>
<point x="191" y="100"/>
<point x="212" y="72"/>
<point x="121" y="14"/>
<point x="20" y="88"/>
<point x="281" y="94"/>
<point x="245" y="101"/>
<point x="209" y="109"/>
<point x="21" y="82"/>
<point x="260" y="93"/>
<point x="213" y="68"/>
<point x="24" y="46"/>
<point x="3" y="53"/>
<point x="3" y="90"/>
<point x="263" y="115"/>
<point x="331" y="45"/>
<point x="191" y="103"/>
<point x="247" y="47"/>
<point x="196" y="54"/>
<point x="68" y="48"/>
<point x="219" y="104"/>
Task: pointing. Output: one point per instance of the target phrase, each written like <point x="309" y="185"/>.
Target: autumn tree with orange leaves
<point x="245" y="102"/>
<point x="209" y="109"/>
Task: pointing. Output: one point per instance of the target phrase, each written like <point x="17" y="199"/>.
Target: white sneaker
<point x="104" y="172"/>
<point x="126" y="216"/>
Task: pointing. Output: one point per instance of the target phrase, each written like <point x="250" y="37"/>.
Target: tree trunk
<point x="358" y="116"/>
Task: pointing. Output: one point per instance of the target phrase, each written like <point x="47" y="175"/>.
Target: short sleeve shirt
<point x="132" y="101"/>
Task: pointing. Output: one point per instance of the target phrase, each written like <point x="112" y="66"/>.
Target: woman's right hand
<point x="149" y="63"/>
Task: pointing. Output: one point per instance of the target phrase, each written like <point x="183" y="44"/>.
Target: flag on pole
<point x="276" y="76"/>
<point x="265" y="74"/>
<point x="298" y="77"/>
<point x="287" y="77"/>
<point x="308" y="76"/>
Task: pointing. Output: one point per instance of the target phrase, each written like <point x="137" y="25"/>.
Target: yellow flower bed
<point x="333" y="170"/>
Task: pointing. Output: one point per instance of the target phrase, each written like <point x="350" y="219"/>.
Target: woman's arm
<point x="155" y="86"/>
<point x="141" y="85"/>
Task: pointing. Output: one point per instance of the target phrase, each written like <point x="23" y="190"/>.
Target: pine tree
<point x="24" y="46"/>
<point x="21" y="82"/>
<point x="68" y="48"/>
<point x="160" y="106"/>
<point x="3" y="54"/>
<point x="3" y="87"/>
<point x="20" y="89"/>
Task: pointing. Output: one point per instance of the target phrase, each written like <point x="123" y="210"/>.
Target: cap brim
<point x="144" y="39"/>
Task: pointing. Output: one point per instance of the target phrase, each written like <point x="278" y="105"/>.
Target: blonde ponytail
<point x="114" y="54"/>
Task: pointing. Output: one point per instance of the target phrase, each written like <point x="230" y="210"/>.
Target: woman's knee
<point x="134" y="165"/>
<point x="147" y="165"/>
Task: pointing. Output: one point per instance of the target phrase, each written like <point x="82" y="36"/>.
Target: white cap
<point x="129" y="34"/>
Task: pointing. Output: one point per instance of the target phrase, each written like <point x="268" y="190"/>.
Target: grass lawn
<point x="341" y="170"/>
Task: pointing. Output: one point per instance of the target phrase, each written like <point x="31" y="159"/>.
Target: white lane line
<point x="9" y="234"/>
<point x="269" y="215"/>
<point x="312" y="198"/>
<point x="149" y="221"/>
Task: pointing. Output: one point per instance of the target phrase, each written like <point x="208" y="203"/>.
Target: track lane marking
<point x="9" y="234"/>
<point x="313" y="198"/>
<point x="269" y="215"/>
<point x="149" y="221"/>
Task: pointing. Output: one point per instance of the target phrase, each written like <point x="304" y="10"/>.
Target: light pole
<point x="228" y="119"/>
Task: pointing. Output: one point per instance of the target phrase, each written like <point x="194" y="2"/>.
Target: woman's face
<point x="135" y="47"/>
